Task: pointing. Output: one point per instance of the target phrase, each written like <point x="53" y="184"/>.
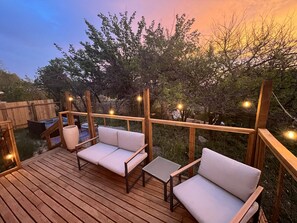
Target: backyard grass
<point x="28" y="144"/>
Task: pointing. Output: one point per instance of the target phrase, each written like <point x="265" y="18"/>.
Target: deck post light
<point x="9" y="156"/>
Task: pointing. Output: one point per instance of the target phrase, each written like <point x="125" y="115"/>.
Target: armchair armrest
<point x="240" y="214"/>
<point x="178" y="172"/>
<point x="181" y="170"/>
<point x="135" y="154"/>
<point x="78" y="146"/>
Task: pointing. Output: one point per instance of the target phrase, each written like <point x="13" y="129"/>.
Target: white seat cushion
<point x="237" y="178"/>
<point x="108" y="135"/>
<point x="96" y="152"/>
<point x="209" y="203"/>
<point x="130" y="140"/>
<point x="115" y="161"/>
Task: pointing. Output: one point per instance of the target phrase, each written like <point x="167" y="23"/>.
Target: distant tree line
<point x="14" y="88"/>
<point x="123" y="56"/>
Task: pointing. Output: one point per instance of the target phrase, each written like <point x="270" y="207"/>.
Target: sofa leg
<point x="127" y="184"/>
<point x="78" y="162"/>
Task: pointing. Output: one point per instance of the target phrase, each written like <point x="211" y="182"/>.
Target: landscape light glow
<point x="111" y="112"/>
<point x="180" y="106"/>
<point x="139" y="98"/>
<point x="246" y="104"/>
<point x="70" y="98"/>
<point x="290" y="134"/>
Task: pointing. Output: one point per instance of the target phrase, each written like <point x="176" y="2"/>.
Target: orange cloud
<point x="207" y="12"/>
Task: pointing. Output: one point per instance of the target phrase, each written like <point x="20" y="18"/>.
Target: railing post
<point x="262" y="116"/>
<point x="13" y="144"/>
<point x="128" y="125"/>
<point x="250" y="147"/>
<point x="259" y="153"/>
<point x="148" y="125"/>
<point x="69" y="108"/>
<point x="191" y="148"/>
<point x="279" y="190"/>
<point x="89" y="116"/>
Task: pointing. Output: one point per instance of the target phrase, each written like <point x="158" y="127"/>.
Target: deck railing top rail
<point x="120" y="117"/>
<point x="287" y="159"/>
<point x="204" y="126"/>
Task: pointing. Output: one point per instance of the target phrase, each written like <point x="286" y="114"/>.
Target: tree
<point x="16" y="89"/>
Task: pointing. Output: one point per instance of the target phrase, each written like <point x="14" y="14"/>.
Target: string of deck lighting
<point x="292" y="133"/>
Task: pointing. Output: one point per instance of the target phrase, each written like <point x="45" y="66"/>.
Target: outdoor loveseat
<point x="119" y="151"/>
<point x="223" y="190"/>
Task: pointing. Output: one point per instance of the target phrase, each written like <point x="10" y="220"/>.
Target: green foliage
<point x="27" y="144"/>
<point x="212" y="76"/>
<point x="16" y="89"/>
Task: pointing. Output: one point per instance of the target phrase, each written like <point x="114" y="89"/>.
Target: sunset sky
<point x="29" y="28"/>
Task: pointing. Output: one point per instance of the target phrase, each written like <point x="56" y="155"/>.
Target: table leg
<point x="143" y="178"/>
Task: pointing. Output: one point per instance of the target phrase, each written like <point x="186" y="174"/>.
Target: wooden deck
<point x="50" y="188"/>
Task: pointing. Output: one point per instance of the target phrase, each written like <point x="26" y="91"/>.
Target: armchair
<point x="223" y="190"/>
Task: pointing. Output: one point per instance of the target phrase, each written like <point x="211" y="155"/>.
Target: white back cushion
<point x="108" y="135"/>
<point x="237" y="178"/>
<point x="131" y="141"/>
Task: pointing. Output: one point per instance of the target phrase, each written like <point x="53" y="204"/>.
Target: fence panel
<point x="20" y="112"/>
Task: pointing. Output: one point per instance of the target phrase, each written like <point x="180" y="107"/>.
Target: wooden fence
<point x="20" y="112"/>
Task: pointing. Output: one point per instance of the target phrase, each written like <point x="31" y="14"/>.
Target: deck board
<point x="52" y="189"/>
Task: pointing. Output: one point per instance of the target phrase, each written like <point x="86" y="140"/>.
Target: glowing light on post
<point x="139" y="98"/>
<point x="111" y="112"/>
<point x="9" y="156"/>
<point x="70" y="98"/>
<point x="291" y="134"/>
<point x="246" y="104"/>
<point x="180" y="106"/>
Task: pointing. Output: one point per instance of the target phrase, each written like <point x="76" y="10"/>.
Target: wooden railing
<point x="9" y="145"/>
<point x="192" y="132"/>
<point x="287" y="160"/>
<point x="259" y="138"/>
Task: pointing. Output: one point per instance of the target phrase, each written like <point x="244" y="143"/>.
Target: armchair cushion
<point x="108" y="135"/>
<point x="208" y="202"/>
<point x="131" y="141"/>
<point x="237" y="178"/>
<point x="115" y="161"/>
<point x="96" y="152"/>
